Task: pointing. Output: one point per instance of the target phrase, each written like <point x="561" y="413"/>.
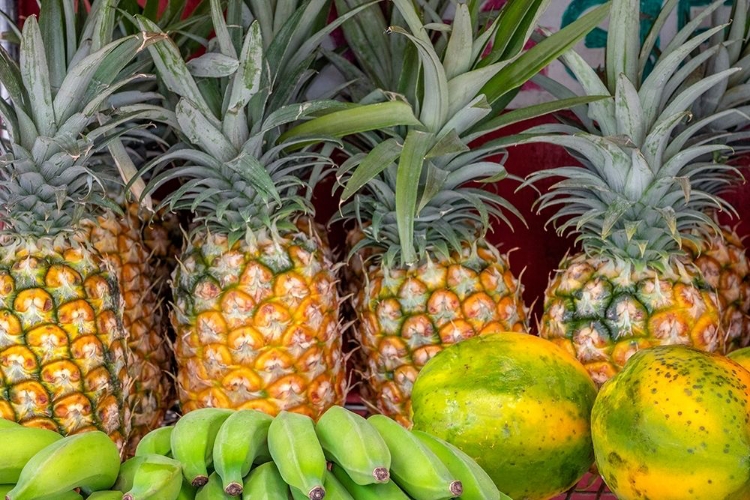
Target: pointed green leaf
<point x="36" y="78"/>
<point x="623" y="42"/>
<point x="201" y="132"/>
<point x="377" y="160"/>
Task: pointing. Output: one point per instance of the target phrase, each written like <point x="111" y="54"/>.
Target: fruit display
<point x="511" y="401"/>
<point x="673" y="425"/>
<point x="634" y="202"/>
<point x="428" y="277"/>
<point x="214" y="453"/>
<point x="173" y="306"/>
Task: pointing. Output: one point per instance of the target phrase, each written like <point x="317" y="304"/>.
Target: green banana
<point x="105" y="495"/>
<point x="68" y="495"/>
<point x="18" y="445"/>
<point x="238" y="443"/>
<point x="5" y="424"/>
<point x="90" y="461"/>
<point x="377" y="491"/>
<point x="354" y="444"/>
<point x="193" y="442"/>
<point x="127" y="473"/>
<point x="335" y="490"/>
<point x="156" y="442"/>
<point x="265" y="483"/>
<point x="297" y="453"/>
<point x="212" y="490"/>
<point x="187" y="492"/>
<point x="413" y="466"/>
<point x="476" y="483"/>
<point x="157" y="477"/>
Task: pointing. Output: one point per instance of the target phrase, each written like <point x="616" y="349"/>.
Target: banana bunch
<point x="217" y="454"/>
<point x="224" y="454"/>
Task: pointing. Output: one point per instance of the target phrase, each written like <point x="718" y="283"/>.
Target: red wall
<point x="539" y="249"/>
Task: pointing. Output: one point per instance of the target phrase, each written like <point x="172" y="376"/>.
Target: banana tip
<point x="199" y="481"/>
<point x="317" y="493"/>
<point x="381" y="474"/>
<point x="127" y="496"/>
<point x="457" y="488"/>
<point x="233" y="489"/>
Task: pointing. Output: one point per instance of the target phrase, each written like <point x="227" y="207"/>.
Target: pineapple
<point x="426" y="276"/>
<point x="118" y="240"/>
<point x="724" y="108"/>
<point x="255" y="302"/>
<point x="64" y="354"/>
<point x="636" y="203"/>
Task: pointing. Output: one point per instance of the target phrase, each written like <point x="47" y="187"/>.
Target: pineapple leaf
<point x="435" y="104"/>
<point x="686" y="98"/>
<point x="623" y="42"/>
<point x="628" y="114"/>
<point x="410" y="165"/>
<point x="530" y="112"/>
<point x="50" y="22"/>
<point x="532" y="61"/>
<point x="458" y="59"/>
<point x="200" y="131"/>
<point x="434" y="184"/>
<point x="653" y="36"/>
<point x="10" y="77"/>
<point x="252" y="172"/>
<point x="174" y="72"/>
<point x="213" y="65"/>
<point x="516" y="22"/>
<point x="356" y="120"/>
<point x="222" y="32"/>
<point x="35" y="77"/>
<point x="380" y="158"/>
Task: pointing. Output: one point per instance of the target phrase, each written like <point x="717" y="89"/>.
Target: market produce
<point x="156" y="442"/>
<point x="673" y="425"/>
<point x="105" y="495"/>
<point x="414" y="193"/>
<point x="638" y="197"/>
<point x="255" y="302"/>
<point x="89" y="461"/>
<point x="724" y="264"/>
<point x="297" y="453"/>
<point x="414" y="467"/>
<point x="265" y="483"/>
<point x="63" y="350"/>
<point x="193" y="440"/>
<point x="155" y="476"/>
<point x="375" y="491"/>
<point x="19" y="444"/>
<point x="741" y="357"/>
<point x="242" y="438"/>
<point x="476" y="483"/>
<point x="212" y="490"/>
<point x="511" y="401"/>
<point x="348" y="439"/>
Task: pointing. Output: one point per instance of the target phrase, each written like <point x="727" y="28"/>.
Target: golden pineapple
<point x="64" y="356"/>
<point x="426" y="276"/>
<point x="256" y="310"/>
<point x="409" y="315"/>
<point x="257" y="325"/>
<point x="724" y="265"/>
<point x="636" y="202"/>
<point x="118" y="240"/>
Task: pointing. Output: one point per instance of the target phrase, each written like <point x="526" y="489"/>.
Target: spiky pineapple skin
<point x="257" y="325"/>
<point x="725" y="267"/>
<point x="63" y="349"/>
<point x="603" y="310"/>
<point x="118" y="240"/>
<point x="407" y="316"/>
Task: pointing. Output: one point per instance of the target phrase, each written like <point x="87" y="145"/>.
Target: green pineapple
<point x="636" y="202"/>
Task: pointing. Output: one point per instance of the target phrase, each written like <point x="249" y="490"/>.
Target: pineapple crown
<point x="58" y="114"/>
<point x="413" y="189"/>
<point x="241" y="169"/>
<point x="641" y="190"/>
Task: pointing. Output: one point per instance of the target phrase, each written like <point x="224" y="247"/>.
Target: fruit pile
<point x="216" y="453"/>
